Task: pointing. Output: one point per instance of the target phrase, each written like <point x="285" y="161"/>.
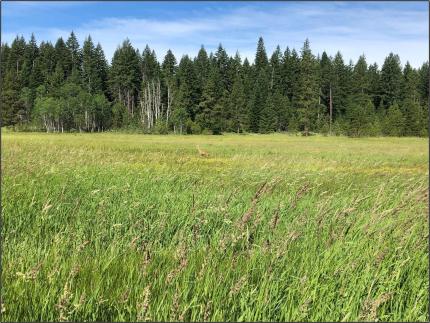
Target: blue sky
<point x="354" y="28"/>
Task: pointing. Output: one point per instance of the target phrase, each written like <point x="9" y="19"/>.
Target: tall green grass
<point x="268" y="227"/>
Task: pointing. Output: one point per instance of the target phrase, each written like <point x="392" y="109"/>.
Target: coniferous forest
<point x="67" y="87"/>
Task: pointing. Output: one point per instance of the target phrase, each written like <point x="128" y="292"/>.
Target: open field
<point x="267" y="227"/>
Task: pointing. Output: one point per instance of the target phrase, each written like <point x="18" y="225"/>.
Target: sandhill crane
<point x="202" y="153"/>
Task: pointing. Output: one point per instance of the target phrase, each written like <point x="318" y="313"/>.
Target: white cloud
<point x="329" y="26"/>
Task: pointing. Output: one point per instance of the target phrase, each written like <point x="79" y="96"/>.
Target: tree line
<point x="66" y="87"/>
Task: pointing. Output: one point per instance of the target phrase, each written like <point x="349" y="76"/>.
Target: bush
<point x="193" y="127"/>
<point x="161" y="127"/>
<point x="206" y="131"/>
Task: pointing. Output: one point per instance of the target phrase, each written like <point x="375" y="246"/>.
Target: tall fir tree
<point x="306" y="98"/>
<point x="391" y="80"/>
<point x="261" y="85"/>
<point x="125" y="76"/>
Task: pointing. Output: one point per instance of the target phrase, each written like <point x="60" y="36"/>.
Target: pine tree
<point x="207" y="103"/>
<point x="360" y="76"/>
<point x="326" y="79"/>
<point x="17" y="55"/>
<point x="168" y="70"/>
<point x="56" y="80"/>
<point x="102" y="69"/>
<point x="202" y="65"/>
<point x="74" y="57"/>
<point x="306" y="98"/>
<point x="423" y="83"/>
<point x="187" y="80"/>
<point x="31" y="52"/>
<point x="374" y="84"/>
<point x="414" y="116"/>
<point x="284" y="111"/>
<point x="47" y="61"/>
<point x="340" y="83"/>
<point x="238" y="105"/>
<point x="268" y="116"/>
<point x="150" y="67"/>
<point x="91" y="79"/>
<point x="360" y="113"/>
<point x="248" y="88"/>
<point x="61" y="52"/>
<point x="64" y="87"/>
<point x="222" y="68"/>
<point x="125" y="76"/>
<point x="391" y="79"/>
<point x="409" y="89"/>
<point x="261" y="85"/>
<point x="276" y="70"/>
<point x="4" y="60"/>
<point x="394" y="121"/>
<point x="180" y="105"/>
<point x="10" y="102"/>
<point x="290" y="72"/>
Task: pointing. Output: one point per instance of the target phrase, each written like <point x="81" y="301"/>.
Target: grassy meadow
<point x="116" y="227"/>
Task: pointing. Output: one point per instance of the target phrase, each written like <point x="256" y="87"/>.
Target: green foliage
<point x="119" y="112"/>
<point x="238" y="105"/>
<point x="394" y="123"/>
<point x="161" y="127"/>
<point x="214" y="91"/>
<point x="414" y="118"/>
<point x="268" y="122"/>
<point x="391" y="79"/>
<point x="360" y="116"/>
<point x="261" y="86"/>
<point x="306" y="98"/>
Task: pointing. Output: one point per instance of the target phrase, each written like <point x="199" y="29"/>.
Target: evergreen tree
<point x="409" y="89"/>
<point x="47" y="60"/>
<point x="64" y="87"/>
<point x="207" y="103"/>
<point x="360" y="77"/>
<point x="374" y="84"/>
<point x="306" y="98"/>
<point x="10" y="102"/>
<point x="56" y="80"/>
<point x="202" y="65"/>
<point x="125" y="76"/>
<point x="247" y="74"/>
<point x="391" y="78"/>
<point x="339" y="86"/>
<point x="290" y="72"/>
<point x="261" y="85"/>
<point x="150" y="66"/>
<point x="61" y="52"/>
<point x="188" y="86"/>
<point x="423" y="83"/>
<point x="414" y="118"/>
<point x="4" y="60"/>
<point x="180" y="106"/>
<point x="168" y="70"/>
<point x="91" y="79"/>
<point x="359" y="115"/>
<point x="268" y="116"/>
<point x="17" y="55"/>
<point x="222" y="68"/>
<point x="326" y="71"/>
<point x="394" y="122"/>
<point x="276" y="70"/>
<point x="238" y="105"/>
<point x="74" y="57"/>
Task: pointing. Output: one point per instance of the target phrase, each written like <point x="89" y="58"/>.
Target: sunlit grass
<point x="133" y="227"/>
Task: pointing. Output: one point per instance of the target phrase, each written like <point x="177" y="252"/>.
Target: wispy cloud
<point x="353" y="29"/>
